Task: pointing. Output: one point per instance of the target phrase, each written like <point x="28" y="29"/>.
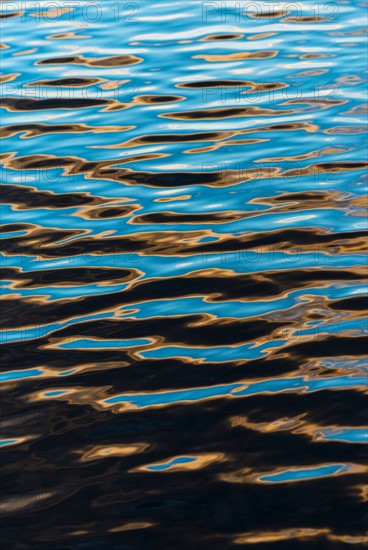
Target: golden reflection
<point x="261" y="36"/>
<point x="238" y="56"/>
<point x="113" y="84"/>
<point x="131" y="526"/>
<point x="279" y="425"/>
<point x="77" y="395"/>
<point x="51" y="12"/>
<point x="25" y="52"/>
<point x="67" y="36"/>
<point x="99" y="452"/>
<point x="15" y="504"/>
<point x="349" y="539"/>
<point x="275" y="536"/>
<point x="300" y="533"/>
<point x="362" y="492"/>
<point x="8" y="77"/>
<point x="15" y="441"/>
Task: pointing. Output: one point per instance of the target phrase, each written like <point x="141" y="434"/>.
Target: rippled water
<point x="183" y="274"/>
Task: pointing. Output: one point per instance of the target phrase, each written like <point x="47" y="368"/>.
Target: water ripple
<point x="183" y="274"/>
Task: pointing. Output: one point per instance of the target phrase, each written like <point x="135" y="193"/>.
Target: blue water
<point x="183" y="274"/>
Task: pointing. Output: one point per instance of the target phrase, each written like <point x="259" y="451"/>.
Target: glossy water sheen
<point x="183" y="276"/>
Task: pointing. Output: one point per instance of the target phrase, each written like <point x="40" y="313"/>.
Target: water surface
<point x="183" y="275"/>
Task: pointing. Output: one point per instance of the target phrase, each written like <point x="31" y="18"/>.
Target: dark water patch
<point x="69" y="82"/>
<point x="71" y="276"/>
<point x="351" y="304"/>
<point x="34" y="130"/>
<point x="216" y="114"/>
<point x="10" y="14"/>
<point x="15" y="104"/>
<point x="26" y="198"/>
<point x="109" y="212"/>
<point x="174" y="217"/>
<point x="112" y="61"/>
<point x="158" y="99"/>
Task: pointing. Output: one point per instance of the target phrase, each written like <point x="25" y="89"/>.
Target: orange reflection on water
<point x="106" y="451"/>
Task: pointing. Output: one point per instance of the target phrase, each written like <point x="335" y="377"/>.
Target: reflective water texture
<point x="183" y="275"/>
